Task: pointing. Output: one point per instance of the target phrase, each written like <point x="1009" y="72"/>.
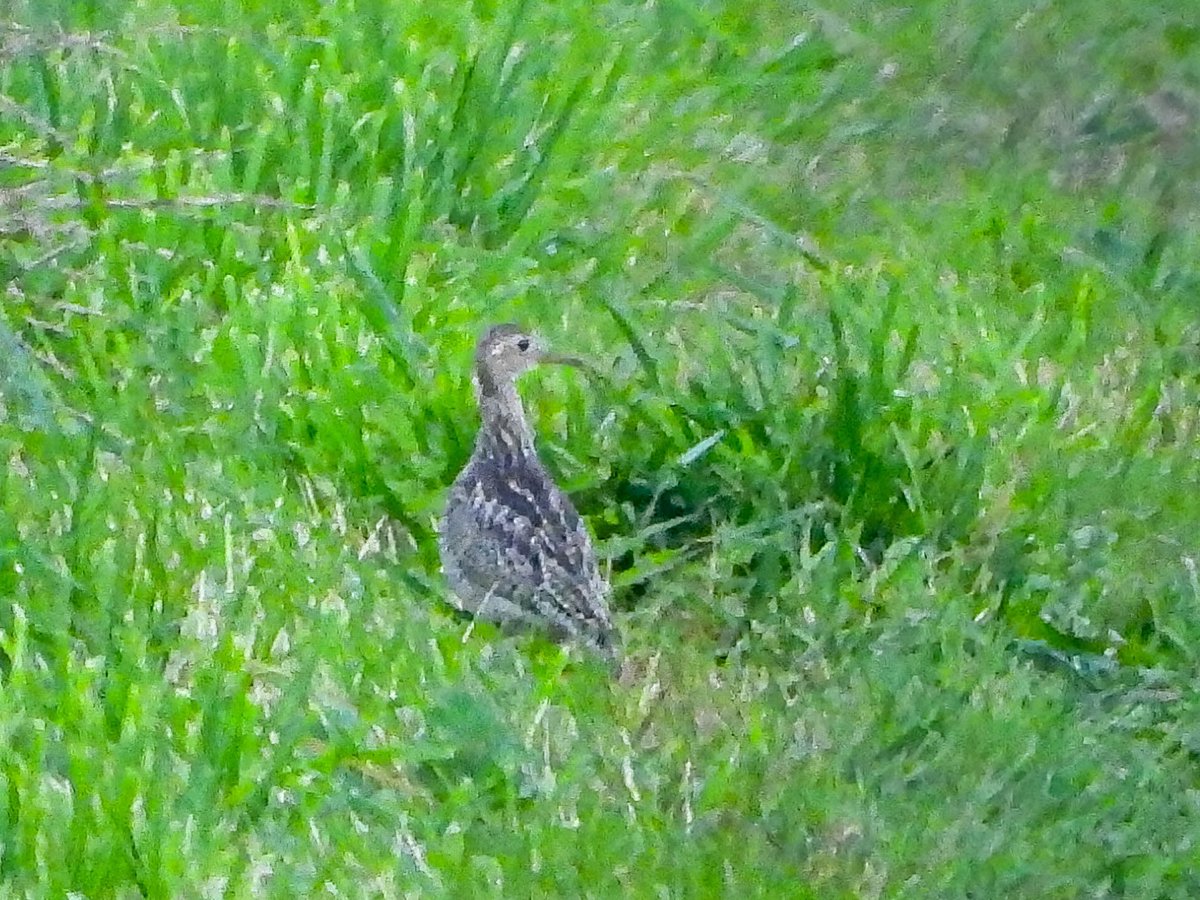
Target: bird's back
<point x="514" y="549"/>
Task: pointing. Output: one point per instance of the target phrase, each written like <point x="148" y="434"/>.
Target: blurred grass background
<point x="894" y="465"/>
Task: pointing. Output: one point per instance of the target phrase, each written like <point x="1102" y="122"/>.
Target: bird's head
<point x="505" y="352"/>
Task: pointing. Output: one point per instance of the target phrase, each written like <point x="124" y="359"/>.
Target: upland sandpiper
<point x="513" y="548"/>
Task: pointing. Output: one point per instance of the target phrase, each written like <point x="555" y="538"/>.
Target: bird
<point x="513" y="548"/>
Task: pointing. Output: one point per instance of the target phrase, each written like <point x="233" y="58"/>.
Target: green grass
<point x="895" y="460"/>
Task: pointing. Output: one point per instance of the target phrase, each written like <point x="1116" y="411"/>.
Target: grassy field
<point x="895" y="461"/>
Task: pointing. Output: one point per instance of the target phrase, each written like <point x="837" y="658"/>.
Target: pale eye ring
<point x="523" y="344"/>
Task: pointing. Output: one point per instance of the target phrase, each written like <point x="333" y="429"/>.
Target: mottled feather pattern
<point x="518" y="536"/>
<point x="513" y="547"/>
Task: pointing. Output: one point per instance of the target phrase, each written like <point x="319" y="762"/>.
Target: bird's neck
<point x="505" y="433"/>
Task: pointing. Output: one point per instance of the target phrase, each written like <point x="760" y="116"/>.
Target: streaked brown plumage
<point x="513" y="548"/>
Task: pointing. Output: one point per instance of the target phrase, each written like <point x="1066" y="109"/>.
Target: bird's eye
<point x="523" y="344"/>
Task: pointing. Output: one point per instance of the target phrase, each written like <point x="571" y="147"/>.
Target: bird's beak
<point x="573" y="361"/>
<point x="563" y="360"/>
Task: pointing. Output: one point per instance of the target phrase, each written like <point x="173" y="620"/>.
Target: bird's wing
<point x="524" y="543"/>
